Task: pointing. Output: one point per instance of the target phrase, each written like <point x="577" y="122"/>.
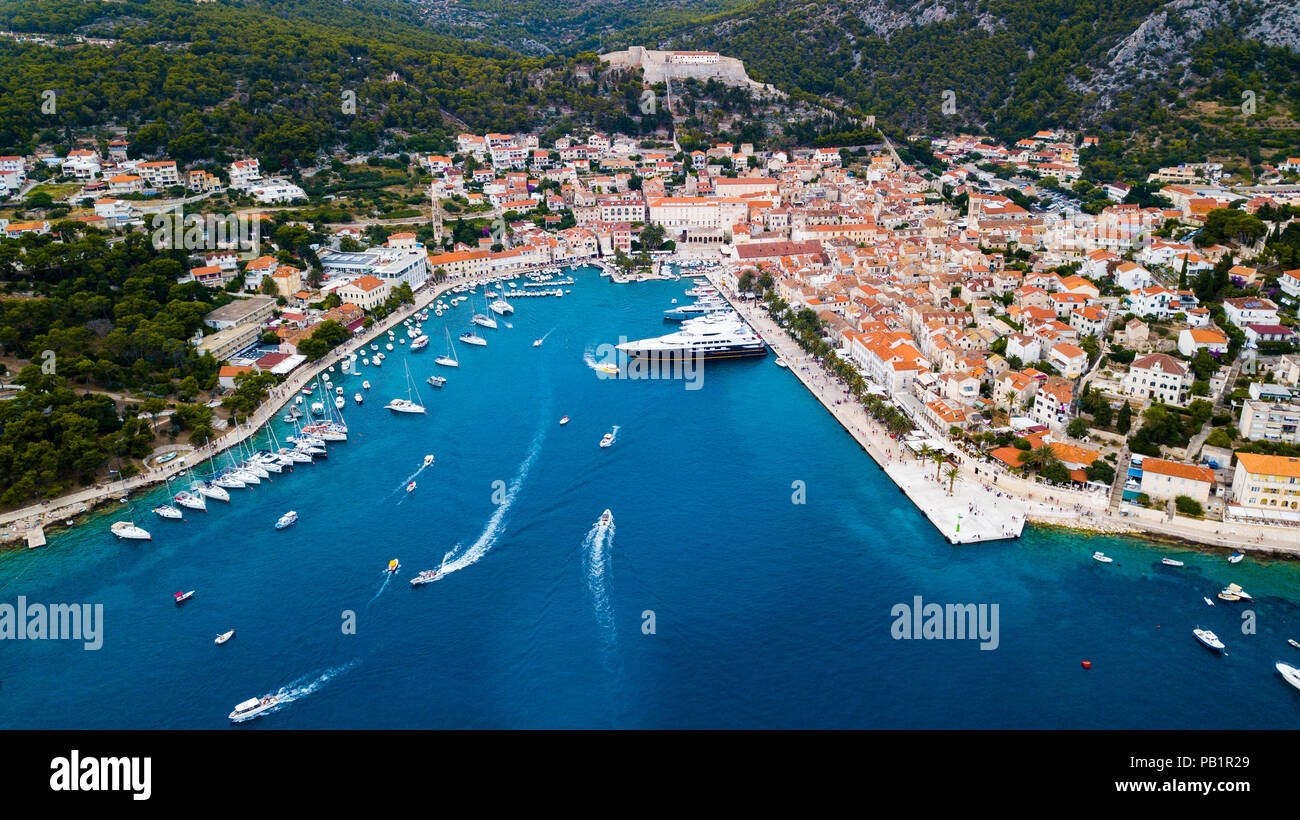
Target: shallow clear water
<point x="767" y="613"/>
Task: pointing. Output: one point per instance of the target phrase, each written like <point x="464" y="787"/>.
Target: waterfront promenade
<point x="15" y="524"/>
<point x="991" y="502"/>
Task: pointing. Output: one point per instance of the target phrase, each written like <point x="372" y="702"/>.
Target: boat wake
<point x="613" y="431"/>
<point x="455" y="559"/>
<point x="596" y="548"/>
<point x="304" y="686"/>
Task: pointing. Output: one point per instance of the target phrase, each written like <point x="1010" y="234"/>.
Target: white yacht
<point x="287" y="520"/>
<point x="607" y="440"/>
<point x="167" y="511"/>
<point x="707" y="340"/>
<point x="127" y="530"/>
<point x="253" y="707"/>
<point x="450" y="359"/>
<point x="1102" y="557"/>
<point x="1289" y="673"/>
<point x="1208" y="638"/>
<point x="428" y="459"/>
<point x="470" y="338"/>
<point x="501" y="307"/>
<point x="436" y="381"/>
<point x="223" y="637"/>
<point x="484" y="320"/>
<point x="358" y="398"/>
<point x="208" y="489"/>
<point x="419" y="343"/>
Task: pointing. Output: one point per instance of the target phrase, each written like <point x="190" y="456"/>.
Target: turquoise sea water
<point x="767" y="613"/>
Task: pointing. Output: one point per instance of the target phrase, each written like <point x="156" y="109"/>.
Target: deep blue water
<point x="767" y="613"/>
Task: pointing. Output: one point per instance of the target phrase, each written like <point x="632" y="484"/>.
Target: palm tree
<point x="938" y="457"/>
<point x="953" y="473"/>
<point x="925" y="452"/>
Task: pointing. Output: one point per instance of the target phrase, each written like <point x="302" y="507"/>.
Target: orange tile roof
<point x="1261" y="464"/>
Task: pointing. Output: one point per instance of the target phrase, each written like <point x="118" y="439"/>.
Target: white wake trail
<point x="451" y="562"/>
<point x="307" y="684"/>
<point x="596" y="554"/>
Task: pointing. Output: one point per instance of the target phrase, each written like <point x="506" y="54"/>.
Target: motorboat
<point x="1102" y="557"/>
<point x="1207" y="600"/>
<point x="365" y="385"/>
<point x="1235" y="558"/>
<point x="607" y="368"/>
<point x="410" y="486"/>
<point x="419" y="343"/>
<point x="168" y="511"/>
<point x="317" y="408"/>
<point x="428" y="460"/>
<point x="471" y="338"/>
<point x="393" y="566"/>
<point x="1293" y="642"/>
<point x="1208" y="638"/>
<point x="607" y="440"/>
<point x="189" y="500"/>
<point x="781" y="363"/>
<point x="127" y="530"/>
<point x="358" y="398"/>
<point x="182" y="597"/>
<point x="1170" y="562"/>
<point x="537" y="342"/>
<point x="427" y="576"/>
<point x="564" y="420"/>
<point x="253" y="707"/>
<point x="606" y="518"/>
<point x="1289" y="673"/>
<point x="1233" y="592"/>
<point x="436" y="381"/>
<point x="223" y="637"/>
<point x="287" y="520"/>
<point x="339" y="402"/>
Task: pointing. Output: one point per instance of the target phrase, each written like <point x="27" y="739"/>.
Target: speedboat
<point x="1102" y="557"/>
<point x="339" y="402"/>
<point x="182" y="597"/>
<point x="167" y="511"/>
<point x="564" y="420"/>
<point x="129" y="531"/>
<point x="366" y="384"/>
<point x="223" y="637"/>
<point x="1289" y="673"/>
<point x="393" y="566"/>
<point x="358" y="398"/>
<point x="1207" y="600"/>
<point x="419" y="343"/>
<point x="470" y="338"/>
<point x="1208" y="638"/>
<point x="436" y="381"/>
<point x="410" y="486"/>
<point x="190" y="500"/>
<point x="1170" y="562"/>
<point x="1235" y="558"/>
<point x="537" y="342"/>
<point x="253" y="707"/>
<point x="606" y="518"/>
<point x="427" y="576"/>
<point x="607" y="368"/>
<point x="428" y="459"/>
<point x="317" y="409"/>
<point x="1293" y="642"/>
<point x="286" y="520"/>
<point x="607" y="440"/>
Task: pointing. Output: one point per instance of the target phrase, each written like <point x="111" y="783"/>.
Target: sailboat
<point x="167" y="510"/>
<point x="450" y="359"/>
<point x="209" y="489"/>
<point x="411" y="403"/>
<point x="484" y="319"/>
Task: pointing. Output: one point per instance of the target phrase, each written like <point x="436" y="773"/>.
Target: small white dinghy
<point x="1208" y="638"/>
<point x="1102" y="557"/>
<point x="223" y="637"/>
<point x="1170" y="562"/>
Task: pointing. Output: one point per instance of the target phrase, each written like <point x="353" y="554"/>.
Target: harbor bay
<point x="748" y="578"/>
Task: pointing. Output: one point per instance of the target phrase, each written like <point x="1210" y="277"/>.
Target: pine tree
<point x="1125" y="420"/>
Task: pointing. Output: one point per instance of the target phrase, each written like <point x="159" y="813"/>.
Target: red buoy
<point x="1087" y="664"/>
